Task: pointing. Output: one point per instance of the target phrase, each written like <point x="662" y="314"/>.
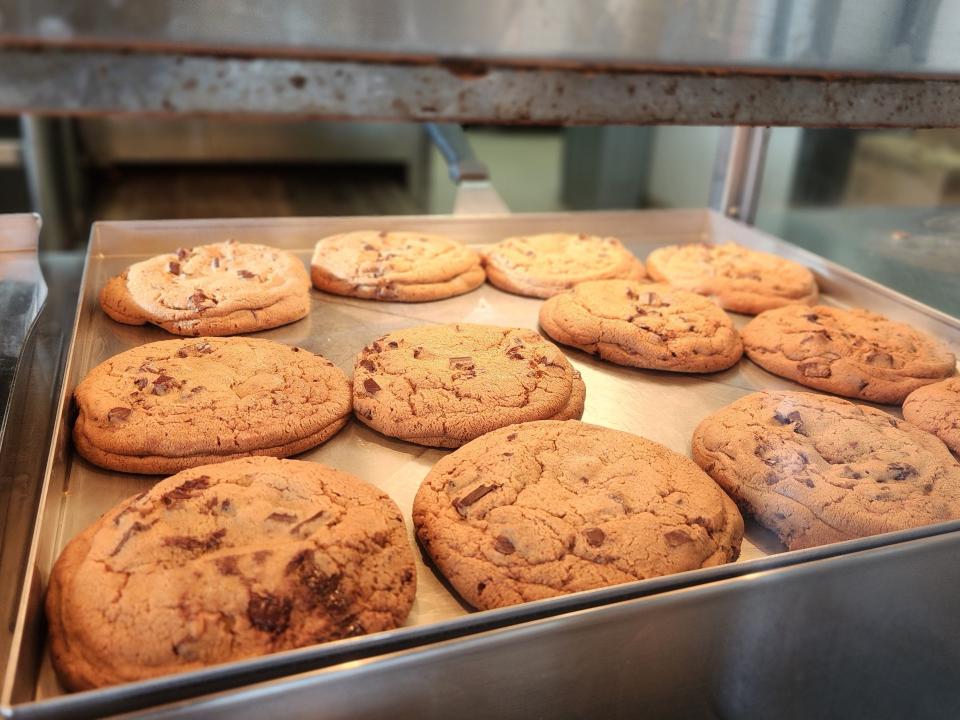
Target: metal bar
<point x="83" y="83"/>
<point x="738" y="172"/>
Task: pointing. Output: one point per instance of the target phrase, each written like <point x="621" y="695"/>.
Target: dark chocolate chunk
<point x="227" y="565"/>
<point x="269" y="613"/>
<point x="407" y="577"/>
<point x="595" y="536"/>
<point x="183" y="253"/>
<point x="503" y="545"/>
<point x="137" y="527"/>
<point x="417" y="352"/>
<point x="461" y="504"/>
<point x="315" y="516"/>
<point x="511" y="436"/>
<point x="246" y="274"/>
<point x="198" y="298"/>
<point x="812" y="317"/>
<point x="901" y="471"/>
<point x="631" y="293"/>
<point x="174" y="267"/>
<point x="814" y="369"/>
<point x="880" y="359"/>
<point x="371" y="386"/>
<point x="677" y="537"/>
<point x="196" y="544"/>
<point x="215" y="263"/>
<point x="204" y="348"/>
<point x="393" y="344"/>
<point x="792" y="417"/>
<point x="461" y="363"/>
<point x="282" y="517"/>
<point x="141" y="383"/>
<point x="118" y="414"/>
<point x="367" y="364"/>
<point x="186" y="490"/>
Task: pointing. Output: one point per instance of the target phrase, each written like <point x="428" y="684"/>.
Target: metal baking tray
<point x="662" y="406"/>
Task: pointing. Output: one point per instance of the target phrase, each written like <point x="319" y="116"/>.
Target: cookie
<point x="400" y="266"/>
<point x="936" y="409"/>
<point x="643" y="325"/>
<point x="225" y="562"/>
<point x="175" y="404"/>
<point x="855" y="353"/>
<point x="444" y="385"/>
<point x="739" y="279"/>
<point x="546" y="508"/>
<point x="816" y="469"/>
<point x="222" y="289"/>
<point x="544" y="265"/>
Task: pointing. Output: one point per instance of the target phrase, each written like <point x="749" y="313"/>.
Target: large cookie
<point x="171" y="405"/>
<point x="544" y="265"/>
<point x="221" y="289"/>
<point x="936" y="409"/>
<point x="855" y="353"/>
<point x="816" y="469"/>
<point x="739" y="279"/>
<point x="403" y="266"/>
<point x="643" y="325"/>
<point x="224" y="562"/>
<point x="443" y="385"/>
<point x="541" y="509"/>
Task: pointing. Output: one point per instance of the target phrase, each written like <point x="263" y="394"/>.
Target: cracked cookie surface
<point x="936" y="409"/>
<point x="443" y="385"/>
<point x="738" y="278"/>
<point x="541" y="509"/>
<point x="175" y="404"/>
<point x="544" y="265"/>
<point x="855" y="353"/>
<point x="225" y="288"/>
<point x="817" y="470"/>
<point x="225" y="562"/>
<point x="644" y="325"/>
<point x="400" y="266"/>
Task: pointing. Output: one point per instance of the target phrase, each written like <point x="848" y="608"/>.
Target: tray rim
<point x="460" y="628"/>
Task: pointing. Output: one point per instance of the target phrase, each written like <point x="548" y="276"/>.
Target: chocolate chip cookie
<point x="222" y="289"/>
<point x="855" y="353"/>
<point x="643" y="325"/>
<point x="224" y="562"/>
<point x="443" y="385"/>
<point x="400" y="266"/>
<point x="541" y="509"/>
<point x="816" y="469"/>
<point x="936" y="409"/>
<point x="739" y="279"/>
<point x="544" y="265"/>
<point x="170" y="405"/>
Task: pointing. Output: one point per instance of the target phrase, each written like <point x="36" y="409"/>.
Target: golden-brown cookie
<point x="817" y="469"/>
<point x="855" y="353"/>
<point x="738" y="278"/>
<point x="170" y="405"/>
<point x="400" y="266"/>
<point x="443" y="385"/>
<point x="544" y="265"/>
<point x="644" y="325"/>
<point x="224" y="562"/>
<point x="226" y="288"/>
<point x="541" y="509"/>
<point x="936" y="409"/>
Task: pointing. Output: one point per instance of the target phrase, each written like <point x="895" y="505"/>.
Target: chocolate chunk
<point x="417" y="352"/>
<point x="316" y="516"/>
<point x="461" y="363"/>
<point x="204" y="348"/>
<point x="514" y="353"/>
<point x="149" y="367"/>
<point x="322" y="589"/>
<point x="650" y="298"/>
<point x="371" y="386"/>
<point x="196" y="544"/>
<point x="677" y="537"/>
<point x="226" y="506"/>
<point x="137" y="527"/>
<point x="182" y="353"/>
<point x="461" y="504"/>
<point x="183" y="253"/>
<point x="141" y="383"/>
<point x="118" y="414"/>
<point x="631" y="293"/>
<point x="186" y="490"/>
<point x="269" y="613"/>
<point x="812" y="317"/>
<point x="793" y="418"/>
<point x="814" y="369"/>
<point x="901" y="471"/>
<point x="163" y="384"/>
<point x="850" y="474"/>
<point x="595" y="536"/>
<point x="246" y="274"/>
<point x="503" y="545"/>
<point x="215" y="263"/>
<point x="880" y="359"/>
<point x="367" y="364"/>
<point x="511" y="436"/>
<point x="407" y="577"/>
<point x="174" y="267"/>
<point x="282" y="517"/>
<point x="198" y="298"/>
<point x="368" y="247"/>
<point x="393" y="344"/>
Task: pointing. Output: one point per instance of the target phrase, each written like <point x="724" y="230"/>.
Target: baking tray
<point x="661" y="406"/>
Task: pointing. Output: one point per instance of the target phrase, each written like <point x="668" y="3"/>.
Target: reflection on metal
<point x="738" y="172"/>
<point x="57" y="81"/>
